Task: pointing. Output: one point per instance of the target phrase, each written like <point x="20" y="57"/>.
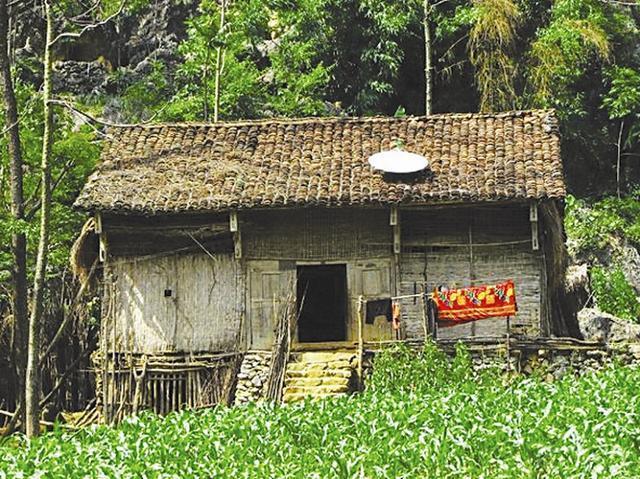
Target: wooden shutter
<point x="270" y="284"/>
<point x="372" y="279"/>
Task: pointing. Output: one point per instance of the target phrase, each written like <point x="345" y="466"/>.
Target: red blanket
<point x="457" y="306"/>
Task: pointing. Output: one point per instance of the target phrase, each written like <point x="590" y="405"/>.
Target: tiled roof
<point x="323" y="162"/>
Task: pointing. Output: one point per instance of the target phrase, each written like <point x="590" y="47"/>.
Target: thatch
<point x="84" y="252"/>
<point x="323" y="162"/>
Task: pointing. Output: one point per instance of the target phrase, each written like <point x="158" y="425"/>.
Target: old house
<point x="205" y="230"/>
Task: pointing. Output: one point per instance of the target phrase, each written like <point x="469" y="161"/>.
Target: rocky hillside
<point x="603" y="239"/>
<point x="99" y="68"/>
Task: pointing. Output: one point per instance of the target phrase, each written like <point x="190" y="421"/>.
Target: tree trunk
<point x="219" y="53"/>
<point x="35" y="327"/>
<point x="428" y="54"/>
<point x="19" y="241"/>
<point x="619" y="159"/>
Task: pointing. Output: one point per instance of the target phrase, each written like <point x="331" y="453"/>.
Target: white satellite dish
<point x="398" y="161"/>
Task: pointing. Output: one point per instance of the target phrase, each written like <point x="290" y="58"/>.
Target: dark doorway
<point x="322" y="302"/>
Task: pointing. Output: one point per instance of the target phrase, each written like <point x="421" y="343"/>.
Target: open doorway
<point x="322" y="303"/>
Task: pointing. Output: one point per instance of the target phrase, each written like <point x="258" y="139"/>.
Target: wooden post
<point x="472" y="271"/>
<point x="397" y="246"/>
<point x="360" y="340"/>
<point x="533" y="219"/>
<point x="233" y="221"/>
<point x="508" y="344"/>
<point x="423" y="298"/>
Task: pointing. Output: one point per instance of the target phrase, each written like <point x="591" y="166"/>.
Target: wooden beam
<point x="394" y="222"/>
<point x="233" y="221"/>
<point x="102" y="248"/>
<point x="237" y="245"/>
<point x="533" y="218"/>
<point x="98" y="222"/>
<point x="397" y="245"/>
<point x="393" y="216"/>
<point x="234" y="227"/>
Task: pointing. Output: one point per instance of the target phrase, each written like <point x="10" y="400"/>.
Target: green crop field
<point x="420" y="417"/>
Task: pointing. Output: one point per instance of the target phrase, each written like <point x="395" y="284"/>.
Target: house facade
<point x="206" y="230"/>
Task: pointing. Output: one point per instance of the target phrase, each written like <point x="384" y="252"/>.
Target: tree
<point x="19" y="239"/>
<point x="32" y="379"/>
<point x="219" y="66"/>
<point x="267" y="61"/>
<point x="491" y="46"/>
<point x="428" y="58"/>
<point x="623" y="104"/>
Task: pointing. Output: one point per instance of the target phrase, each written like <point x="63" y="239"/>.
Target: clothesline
<point x="395" y="298"/>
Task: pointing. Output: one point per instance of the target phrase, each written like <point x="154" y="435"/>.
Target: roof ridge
<point x="336" y="119"/>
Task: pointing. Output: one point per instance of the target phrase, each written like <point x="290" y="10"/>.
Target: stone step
<point x="318" y="366"/>
<point x="322" y="356"/>
<point x="313" y="390"/>
<point x="319" y="373"/>
<point x="321" y="381"/>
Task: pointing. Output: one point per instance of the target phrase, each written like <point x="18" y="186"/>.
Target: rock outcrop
<point x="598" y="326"/>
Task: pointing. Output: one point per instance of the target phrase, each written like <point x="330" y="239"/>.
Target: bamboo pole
<point x="423" y="302"/>
<point x="219" y="65"/>
<point x="360" y="340"/>
<point x="508" y="344"/>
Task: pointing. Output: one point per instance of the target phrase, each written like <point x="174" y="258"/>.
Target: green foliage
<point x="270" y="58"/>
<point x="622" y="102"/>
<point x="401" y="369"/>
<point x="75" y="152"/>
<point x="491" y="45"/>
<point x="453" y="426"/>
<point x="614" y="294"/>
<point x="564" y="49"/>
<point x="144" y="97"/>
<point x="623" y="97"/>
<point x="591" y="226"/>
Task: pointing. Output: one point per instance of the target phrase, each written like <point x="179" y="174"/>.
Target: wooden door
<point x="271" y="284"/>
<point x="373" y="279"/>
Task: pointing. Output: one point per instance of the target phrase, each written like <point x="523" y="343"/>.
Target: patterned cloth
<point x="478" y="302"/>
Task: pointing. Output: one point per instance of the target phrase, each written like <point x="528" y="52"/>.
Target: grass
<point x="421" y="417"/>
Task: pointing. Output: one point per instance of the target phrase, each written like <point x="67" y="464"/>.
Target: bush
<point x="591" y="226"/>
<point x="614" y="294"/>
<point x="401" y="369"/>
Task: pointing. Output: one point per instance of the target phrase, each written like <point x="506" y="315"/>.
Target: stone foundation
<point x="553" y="360"/>
<point x="252" y="378"/>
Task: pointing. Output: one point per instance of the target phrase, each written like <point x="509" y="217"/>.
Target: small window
<point x="168" y="293"/>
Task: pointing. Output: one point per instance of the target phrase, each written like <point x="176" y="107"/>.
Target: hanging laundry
<point x="457" y="306"/>
<point x="396" y="315"/>
<point x="376" y="308"/>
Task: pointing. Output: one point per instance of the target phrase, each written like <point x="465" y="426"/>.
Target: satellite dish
<point x="398" y="161"/>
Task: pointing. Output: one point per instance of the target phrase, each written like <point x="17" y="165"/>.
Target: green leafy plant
<point x="425" y="415"/>
<point x="591" y="226"/>
<point x="75" y="151"/>
<point x="614" y="294"/>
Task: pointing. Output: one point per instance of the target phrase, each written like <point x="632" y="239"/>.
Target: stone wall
<point x="252" y="378"/>
<point x="553" y="361"/>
